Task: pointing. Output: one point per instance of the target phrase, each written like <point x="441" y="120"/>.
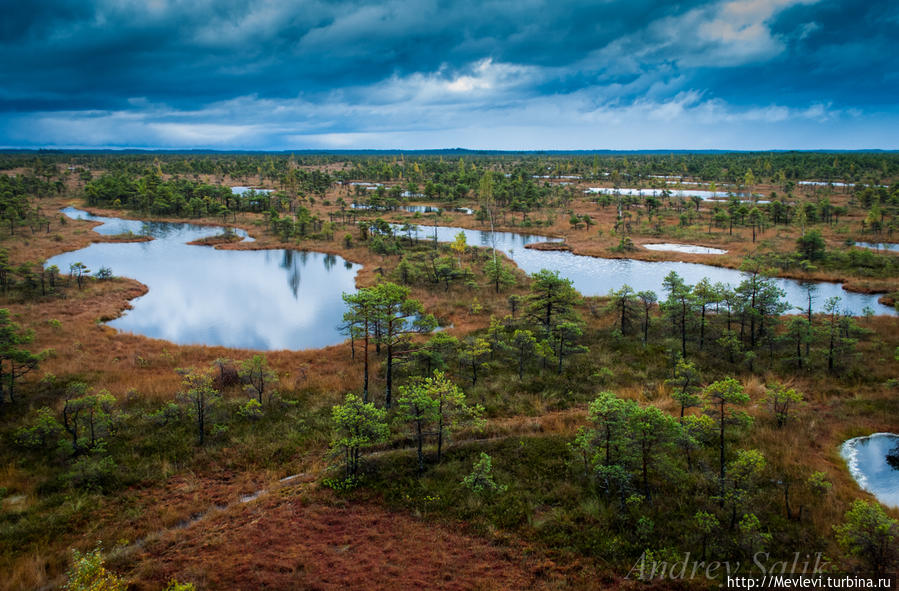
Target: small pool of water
<point x="701" y="193"/>
<point x="824" y="184"/>
<point x="243" y="190"/>
<point x="685" y="248"/>
<point x="416" y="208"/>
<point x="890" y="246"/>
<point x="116" y="226"/>
<point x="866" y="458"/>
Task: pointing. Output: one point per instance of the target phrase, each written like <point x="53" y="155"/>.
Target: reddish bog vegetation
<point x="285" y="543"/>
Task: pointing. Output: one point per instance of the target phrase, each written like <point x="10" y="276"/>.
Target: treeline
<point x="19" y="206"/>
<point x="775" y="167"/>
<point x="742" y="325"/>
<point x="653" y="215"/>
<point x="518" y="192"/>
<point x="150" y="194"/>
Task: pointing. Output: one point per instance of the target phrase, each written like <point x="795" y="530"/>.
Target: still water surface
<point x="891" y="246"/>
<point x="283" y="299"/>
<point x="866" y="458"/>
<point x="685" y="248"/>
<point x="594" y="276"/>
<point x="702" y="194"/>
<point x="262" y="299"/>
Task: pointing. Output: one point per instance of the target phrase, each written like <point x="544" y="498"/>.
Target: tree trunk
<point x="645" y="326"/>
<point x="389" y="389"/>
<point x="201" y="424"/>
<point x="702" y="329"/>
<point x="365" y="370"/>
<point x="721" y="447"/>
<point x="645" y="469"/>
<point x="787" y="500"/>
<point x="421" y="460"/>
<point x="561" y="353"/>
<point x="440" y="434"/>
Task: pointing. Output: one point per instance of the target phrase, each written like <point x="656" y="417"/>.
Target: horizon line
<point x="456" y="150"/>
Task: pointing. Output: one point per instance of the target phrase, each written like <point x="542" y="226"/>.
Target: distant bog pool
<point x="684" y="248"/>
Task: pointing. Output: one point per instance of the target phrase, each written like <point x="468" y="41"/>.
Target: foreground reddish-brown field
<point x="292" y="542"/>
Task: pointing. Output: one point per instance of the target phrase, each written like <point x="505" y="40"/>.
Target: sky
<point x="429" y="74"/>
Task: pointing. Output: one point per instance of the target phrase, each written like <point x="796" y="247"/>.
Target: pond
<point x="866" y="458"/>
<point x="593" y="276"/>
<point x="702" y="194"/>
<point x="415" y="208"/>
<point x="262" y="299"/>
<point x="891" y="246"/>
<point x="244" y="190"/>
<point x="685" y="248"/>
<point x="824" y="184"/>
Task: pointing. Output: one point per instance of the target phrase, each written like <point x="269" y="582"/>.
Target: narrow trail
<point x="516" y="426"/>
<point x="294" y="480"/>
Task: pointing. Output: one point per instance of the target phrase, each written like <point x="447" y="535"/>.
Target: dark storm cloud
<point x="189" y="51"/>
<point x="270" y="73"/>
<point x="838" y="51"/>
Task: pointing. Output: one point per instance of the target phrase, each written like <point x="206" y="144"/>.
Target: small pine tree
<point x="89" y="573"/>
<point x="357" y="426"/>
<point x="481" y="481"/>
<point x="871" y="535"/>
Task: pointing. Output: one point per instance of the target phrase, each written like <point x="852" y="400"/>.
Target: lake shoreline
<point x="264" y="242"/>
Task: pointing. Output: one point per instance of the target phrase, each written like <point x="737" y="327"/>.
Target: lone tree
<point x="360" y="319"/>
<point x="499" y="274"/>
<point x="474" y="353"/>
<point x="551" y="306"/>
<point x="811" y="245"/>
<point x="652" y="430"/>
<point x="79" y="271"/>
<point x="87" y="418"/>
<point x="609" y="415"/>
<point x="480" y="481"/>
<point x="719" y="395"/>
<point x="686" y="385"/>
<point x="552" y="299"/>
<point x="419" y="408"/>
<point x="679" y="306"/>
<point x="564" y="336"/>
<point x="781" y="400"/>
<point x="647" y="299"/>
<point x="399" y="317"/>
<point x="524" y="344"/>
<point x="199" y="396"/>
<point x="258" y="376"/>
<point x="433" y="407"/>
<point x="15" y="361"/>
<point x="624" y="305"/>
<point x="357" y="426"/>
<point x="871" y="535"/>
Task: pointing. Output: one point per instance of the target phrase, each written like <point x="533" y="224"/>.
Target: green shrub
<point x="88" y="573"/>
